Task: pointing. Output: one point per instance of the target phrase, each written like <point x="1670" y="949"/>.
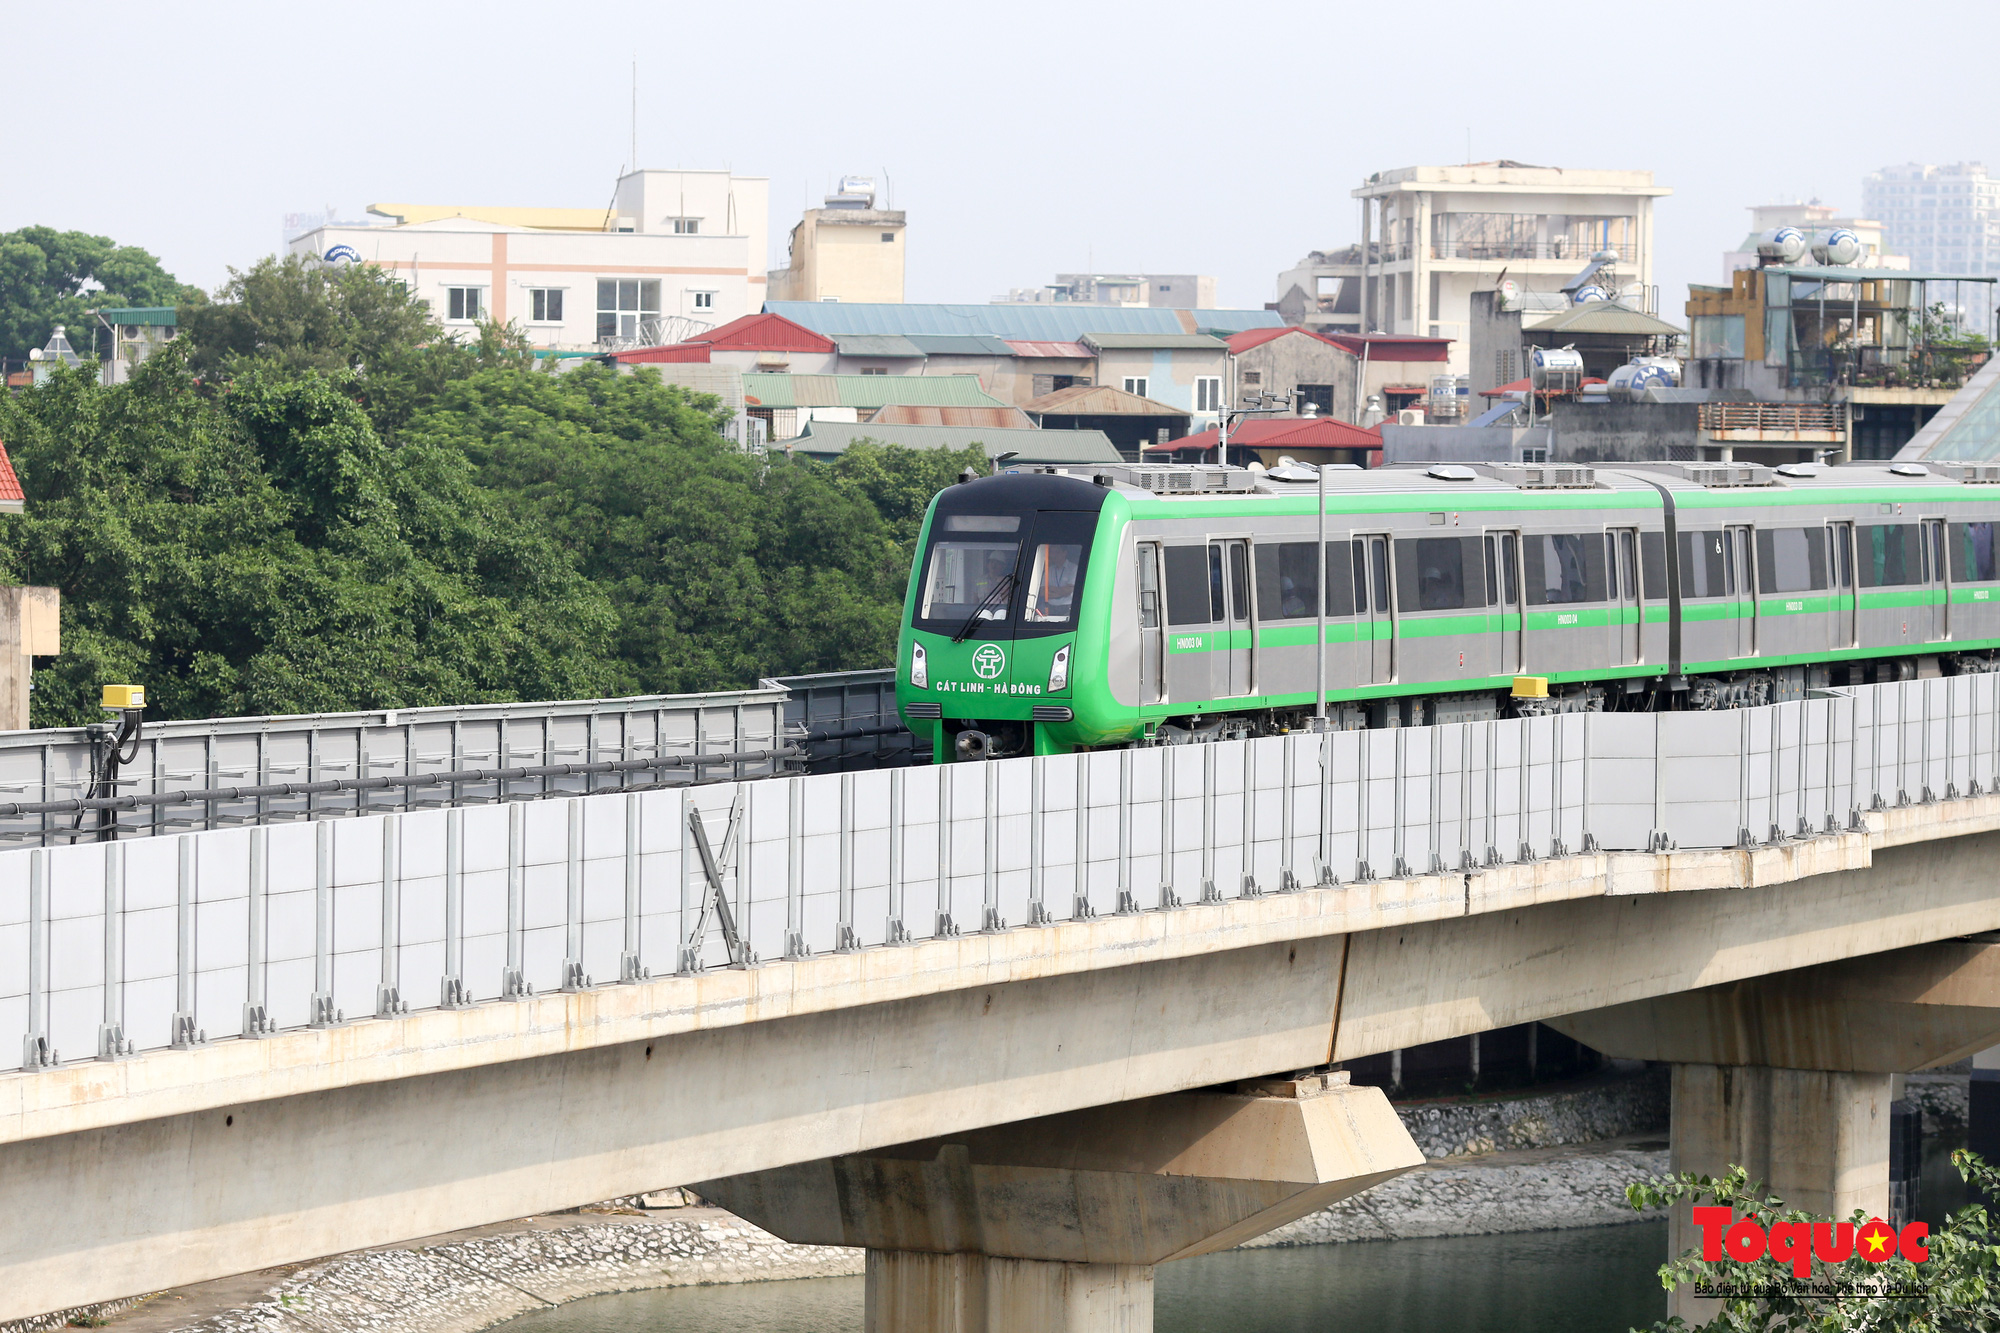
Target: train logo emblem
<point x="989" y="661"/>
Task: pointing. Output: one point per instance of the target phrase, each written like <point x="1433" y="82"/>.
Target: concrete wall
<point x="839" y="254"/>
<point x="1624" y="432"/>
<point x="1493" y="342"/>
<point x="1282" y="364"/>
<point x="1170" y="374"/>
<point x="1460" y="444"/>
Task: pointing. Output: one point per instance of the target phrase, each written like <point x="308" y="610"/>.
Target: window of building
<point x="546" y="303"/>
<point x="1253" y="377"/>
<point x="703" y="300"/>
<point x="888" y="238"/>
<point x="623" y="304"/>
<point x="1208" y="393"/>
<point x="464" y="302"/>
<point x="687" y="226"/>
<point x="1136" y="384"/>
<point x="874" y="370"/>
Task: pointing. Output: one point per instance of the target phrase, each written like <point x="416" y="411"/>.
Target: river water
<point x="1587" y="1280"/>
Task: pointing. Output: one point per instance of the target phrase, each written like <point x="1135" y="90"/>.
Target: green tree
<point x="266" y="551"/>
<point x="1959" y="1282"/>
<point x="50" y="277"/>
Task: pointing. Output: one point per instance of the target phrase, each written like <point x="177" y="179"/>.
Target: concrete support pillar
<point x="1055" y="1225"/>
<point x="1791" y="1076"/>
<point x="1817" y="1139"/>
<point x="910" y="1291"/>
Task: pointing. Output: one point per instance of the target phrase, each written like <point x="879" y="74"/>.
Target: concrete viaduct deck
<point x="316" y="1132"/>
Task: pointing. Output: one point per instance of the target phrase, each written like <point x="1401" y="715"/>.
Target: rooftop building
<point x="1431" y="236"/>
<point x="847" y="250"/>
<point x="674" y="253"/>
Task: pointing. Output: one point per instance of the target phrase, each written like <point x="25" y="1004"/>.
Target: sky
<point x="1022" y="139"/>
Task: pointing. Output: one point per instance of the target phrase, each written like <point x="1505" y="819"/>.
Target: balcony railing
<point x="1804" y="422"/>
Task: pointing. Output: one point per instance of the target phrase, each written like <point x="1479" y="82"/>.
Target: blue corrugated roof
<point x="1030" y="323"/>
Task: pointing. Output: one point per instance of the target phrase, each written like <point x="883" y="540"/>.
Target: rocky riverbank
<point x="1547" y="1159"/>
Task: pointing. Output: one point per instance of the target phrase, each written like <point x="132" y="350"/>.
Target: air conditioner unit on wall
<point x="1410" y="416"/>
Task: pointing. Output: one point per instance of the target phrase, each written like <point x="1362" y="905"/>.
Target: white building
<point x="1432" y="236"/>
<point x="677" y="252"/>
<point x="1946" y="219"/>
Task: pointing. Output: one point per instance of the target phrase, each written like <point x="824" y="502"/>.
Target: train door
<point x="1739" y="585"/>
<point x="1621" y="561"/>
<point x="1152" y="626"/>
<point x="1840" y="548"/>
<point x="1503" y="595"/>
<point x="1374" y="611"/>
<point x="1229" y="565"/>
<point x="1936" y="612"/>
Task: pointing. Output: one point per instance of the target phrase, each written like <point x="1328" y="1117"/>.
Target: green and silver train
<point x="1052" y="611"/>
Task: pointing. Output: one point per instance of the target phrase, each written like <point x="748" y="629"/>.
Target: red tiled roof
<point x="765" y="333"/>
<point x="1269" y="433"/>
<point x="1249" y="338"/>
<point x="1392" y="346"/>
<point x="10" y="484"/>
<point x="1027" y="348"/>
<point x="675" y="352"/>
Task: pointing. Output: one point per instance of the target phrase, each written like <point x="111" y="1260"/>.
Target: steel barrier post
<point x="630" y="969"/>
<point x="256" y="990"/>
<point x="323" y="1012"/>
<point x="1128" y="902"/>
<point x="1399" y="802"/>
<point x="36" y="1053"/>
<point x="388" y="991"/>
<point x="1288" y="756"/>
<point x="1038" y="813"/>
<point x="452" y="993"/>
<point x="944" y="927"/>
<point x="1208" y="891"/>
<point x="1080" y="908"/>
<point x="795" y="871"/>
<point x="1363" y="872"/>
<point x="894" y="931"/>
<point x="846" y="941"/>
<point x="1247" y="863"/>
<point x="513" y="977"/>
<point x="111" y="1040"/>
<point x="1168" y="898"/>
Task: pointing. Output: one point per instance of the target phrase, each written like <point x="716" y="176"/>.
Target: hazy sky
<point x="1021" y="138"/>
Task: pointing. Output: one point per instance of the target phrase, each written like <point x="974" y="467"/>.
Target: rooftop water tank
<point x="1631" y="380"/>
<point x="1839" y="247"/>
<point x="1782" y="245"/>
<point x="1556" y="369"/>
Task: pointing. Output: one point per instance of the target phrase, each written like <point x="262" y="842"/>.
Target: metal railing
<point x="1781" y="420"/>
<point x="114" y="948"/>
<point x="319" y="755"/>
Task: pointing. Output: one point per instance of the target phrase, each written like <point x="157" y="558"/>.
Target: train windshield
<point x="971" y="568"/>
<point x="1008" y="576"/>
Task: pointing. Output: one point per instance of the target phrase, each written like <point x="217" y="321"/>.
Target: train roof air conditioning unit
<point x="1714" y="474"/>
<point x="1544" y="476"/>
<point x="1971" y="473"/>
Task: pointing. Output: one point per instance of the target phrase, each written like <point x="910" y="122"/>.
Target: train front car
<point x="1006" y="623"/>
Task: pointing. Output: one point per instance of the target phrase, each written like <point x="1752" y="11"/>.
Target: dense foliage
<point x="314" y="500"/>
<point x="50" y="277"/>
<point x="1957" y="1287"/>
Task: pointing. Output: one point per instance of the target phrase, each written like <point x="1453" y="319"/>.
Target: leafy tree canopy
<point x="50" y="277"/>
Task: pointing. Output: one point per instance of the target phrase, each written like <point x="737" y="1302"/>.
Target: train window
<point x="1358" y="549"/>
<point x="964" y="576"/>
<point x="1149" y="586"/>
<point x="1187" y="585"/>
<point x="1432" y="573"/>
<point x="1052" y="583"/>
<point x="1701" y="565"/>
<point x="1339" y="579"/>
<point x="1887" y="560"/>
<point x="1565" y="567"/>
<point x="1791" y="559"/>
<point x="1218" y="605"/>
<point x="1653" y="563"/>
<point x="1972" y="557"/>
<point x="1492" y="572"/>
<point x="1287" y="581"/>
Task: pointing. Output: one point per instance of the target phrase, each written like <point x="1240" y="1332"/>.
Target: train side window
<point x="1791" y="559"/>
<point x="1572" y="568"/>
<point x="1887" y="559"/>
<point x="1431" y="572"/>
<point x="1187" y="585"/>
<point x="1492" y="571"/>
<point x="1701" y="565"/>
<point x="1359" y="549"/>
<point x="1339" y="579"/>
<point x="1972" y="555"/>
<point x="1149" y="585"/>
<point x="1218" y="600"/>
<point x="1287" y="581"/>
<point x="1653" y="564"/>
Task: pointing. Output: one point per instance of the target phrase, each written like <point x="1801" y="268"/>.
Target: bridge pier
<point x="1055" y="1225"/>
<point x="1790" y="1075"/>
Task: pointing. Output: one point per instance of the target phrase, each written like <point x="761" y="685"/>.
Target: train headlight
<point x="1059" y="670"/>
<point x="920" y="671"/>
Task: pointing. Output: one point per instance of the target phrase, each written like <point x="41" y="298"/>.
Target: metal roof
<point x="765" y="333"/>
<point x="1028" y="446"/>
<point x="1033" y="323"/>
<point x="865" y="391"/>
<point x="1023" y="347"/>
<point x="1099" y="400"/>
<point x="1605" y="317"/>
<point x="1832" y="274"/>
<point x="1250" y="338"/>
<point x="962" y="344"/>
<point x="1298" y="432"/>
<point x="1392" y="346"/>
<point x="1139" y="342"/>
<point x="159" y="315"/>
<point x="946" y="414"/>
<point x="876" y="344"/>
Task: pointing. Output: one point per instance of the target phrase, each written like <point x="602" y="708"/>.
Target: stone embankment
<point x="1543" y="1160"/>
